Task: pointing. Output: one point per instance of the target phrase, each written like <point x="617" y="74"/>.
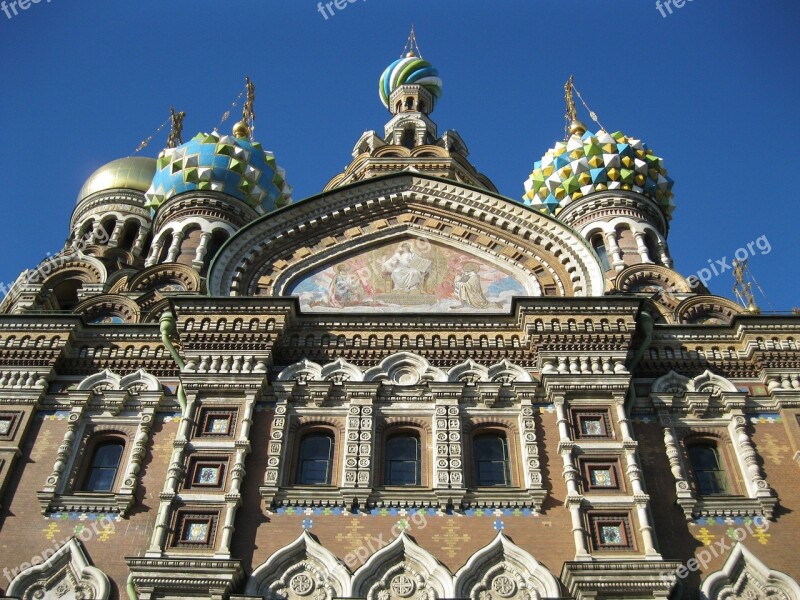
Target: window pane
<point x="316" y="458"/>
<point x="491" y="460"/>
<point x="103" y="470"/>
<point x="709" y="475"/>
<point x="402" y="465"/>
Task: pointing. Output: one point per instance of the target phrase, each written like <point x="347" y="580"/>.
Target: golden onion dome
<point x="132" y="173"/>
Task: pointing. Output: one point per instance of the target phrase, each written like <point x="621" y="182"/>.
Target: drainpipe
<point x="168" y="330"/>
<point x="130" y="587"/>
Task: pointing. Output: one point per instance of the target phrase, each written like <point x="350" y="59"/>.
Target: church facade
<point x="408" y="386"/>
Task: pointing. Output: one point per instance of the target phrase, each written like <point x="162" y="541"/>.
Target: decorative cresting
<point x="269" y="255"/>
<point x="593" y="162"/>
<point x="405" y="368"/>
<point x="402" y="570"/>
<point x="744" y="576"/>
<point x="303" y="570"/>
<point x="674" y="383"/>
<point x="214" y="162"/>
<point x="504" y="570"/>
<point x="66" y="574"/>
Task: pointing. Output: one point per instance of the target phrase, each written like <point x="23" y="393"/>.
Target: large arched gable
<point x="272" y="254"/>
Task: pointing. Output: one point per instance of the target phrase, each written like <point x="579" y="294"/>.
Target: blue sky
<point x="713" y="88"/>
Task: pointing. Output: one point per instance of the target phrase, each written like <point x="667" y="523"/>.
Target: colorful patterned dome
<point x="220" y="163"/>
<point x="595" y="162"/>
<point x="410" y="69"/>
<point x="132" y="173"/>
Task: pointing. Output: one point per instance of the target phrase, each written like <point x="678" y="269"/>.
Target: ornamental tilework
<point x="595" y="162"/>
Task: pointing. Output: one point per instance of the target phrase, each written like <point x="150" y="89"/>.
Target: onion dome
<point x="594" y="162"/>
<point x="233" y="165"/>
<point x="411" y="70"/>
<point x="132" y="173"/>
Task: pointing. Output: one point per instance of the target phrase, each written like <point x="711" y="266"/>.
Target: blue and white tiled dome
<point x="235" y="166"/>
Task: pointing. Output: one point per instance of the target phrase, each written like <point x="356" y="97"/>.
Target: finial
<point x="175" y="137"/>
<point x="573" y="124"/>
<point x="742" y="288"/>
<point x="245" y="127"/>
<point x="411" y="49"/>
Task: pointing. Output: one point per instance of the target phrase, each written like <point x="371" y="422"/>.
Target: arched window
<point x="402" y="463"/>
<point x="490" y="452"/>
<point x="316" y="459"/>
<point x="708" y="472"/>
<point x="103" y="469"/>
<point x="599" y="245"/>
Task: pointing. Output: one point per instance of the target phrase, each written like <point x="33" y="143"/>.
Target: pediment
<point x="303" y="247"/>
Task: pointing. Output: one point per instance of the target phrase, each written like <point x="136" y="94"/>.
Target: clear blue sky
<point x="713" y="88"/>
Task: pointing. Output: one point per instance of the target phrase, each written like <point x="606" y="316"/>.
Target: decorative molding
<point x="744" y="576"/>
<point x="67" y="571"/>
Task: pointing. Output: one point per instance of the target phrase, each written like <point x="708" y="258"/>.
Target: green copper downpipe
<point x="169" y="329"/>
<point x="131" y="589"/>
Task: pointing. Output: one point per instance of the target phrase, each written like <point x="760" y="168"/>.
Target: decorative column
<point x="233" y="498"/>
<point x="530" y="452"/>
<point x="756" y="485"/>
<point x="202" y="249"/>
<point x="662" y="253"/>
<point x="574" y="498"/>
<point x="139" y="450"/>
<point x="448" y="468"/>
<point x="641" y="247"/>
<point x="114" y="239"/>
<point x="613" y="248"/>
<point x="357" y="470"/>
<point x="138" y="244"/>
<point x="155" y="250"/>
<point x="174" y="475"/>
<point x="175" y="248"/>
<point x="272" y="476"/>
<point x="65" y="449"/>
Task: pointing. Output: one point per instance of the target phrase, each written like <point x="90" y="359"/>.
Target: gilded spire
<point x="245" y="127"/>
<point x="742" y="288"/>
<point x="175" y="137"/>
<point x="573" y="124"/>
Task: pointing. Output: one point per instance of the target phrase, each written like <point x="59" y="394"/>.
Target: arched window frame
<point x="390" y="458"/>
<point x="726" y="473"/>
<point x="88" y="465"/>
<point x="485" y="434"/>
<point x="515" y="477"/>
<point x="302" y="436"/>
<point x="396" y="430"/>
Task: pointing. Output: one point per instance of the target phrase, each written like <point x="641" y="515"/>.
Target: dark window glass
<point x="402" y="465"/>
<point x="708" y="473"/>
<point x="491" y="460"/>
<point x="599" y="246"/>
<point x="316" y="460"/>
<point x="103" y="470"/>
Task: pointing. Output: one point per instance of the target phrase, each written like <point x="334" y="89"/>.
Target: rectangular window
<point x="610" y="532"/>
<point x="592" y="424"/>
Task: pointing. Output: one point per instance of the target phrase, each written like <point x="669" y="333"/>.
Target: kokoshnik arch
<point x="521" y="399"/>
